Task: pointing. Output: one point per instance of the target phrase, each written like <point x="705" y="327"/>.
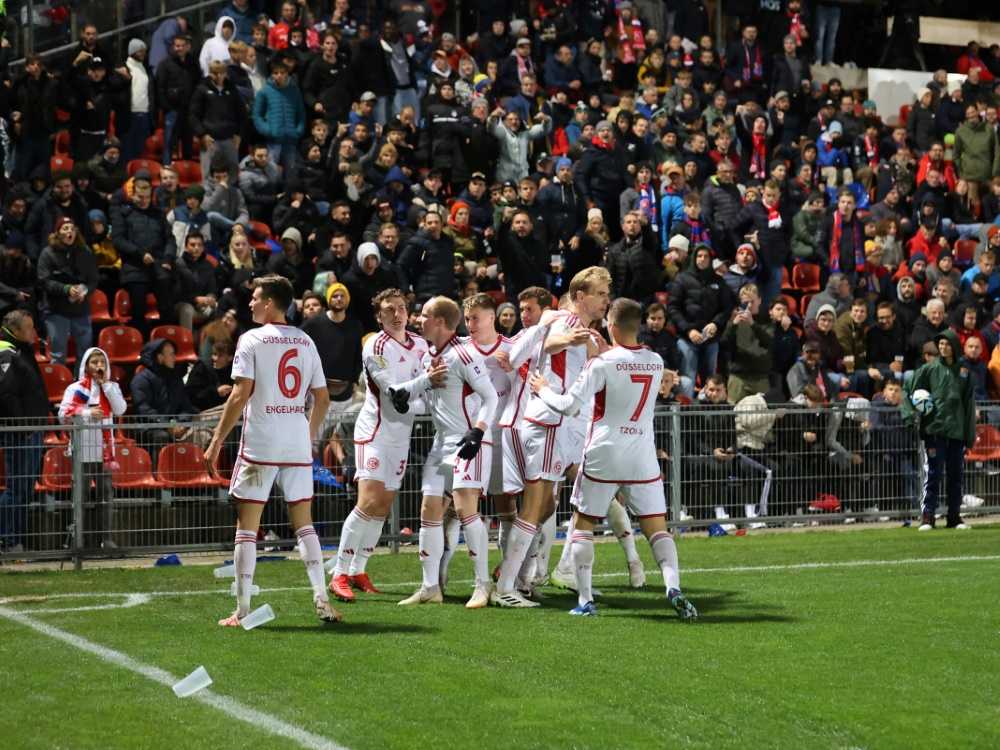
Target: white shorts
<point x="543" y="452"/>
<point x="382" y="463"/>
<point x="573" y="439"/>
<point x="593" y="498"/>
<point x="252" y="483"/>
<point x="513" y="461"/>
<point x="445" y="472"/>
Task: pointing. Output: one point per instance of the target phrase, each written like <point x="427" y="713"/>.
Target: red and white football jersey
<point x="622" y="385"/>
<point x="560" y="370"/>
<point x="500" y="379"/>
<point x="283" y="363"/>
<point x="523" y="358"/>
<point x="467" y="396"/>
<point x="387" y="364"/>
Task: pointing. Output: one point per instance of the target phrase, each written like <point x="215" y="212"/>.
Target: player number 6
<point x="286" y="371"/>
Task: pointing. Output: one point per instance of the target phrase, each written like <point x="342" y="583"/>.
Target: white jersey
<point x="283" y="363"/>
<point x="560" y="370"/>
<point x="501" y="380"/>
<point x="622" y="385"/>
<point x="523" y="357"/>
<point x="387" y="363"/>
<point x="467" y="397"/>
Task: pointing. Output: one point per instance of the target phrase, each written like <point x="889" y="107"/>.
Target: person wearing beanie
<point x="338" y="336"/>
<point x="922" y="121"/>
<point x="744" y="271"/>
<point x="134" y="123"/>
<point x="600" y="177"/>
<point x="507" y="320"/>
<point x="105" y="256"/>
<point x="108" y="170"/>
<point x="192" y="217"/>
<point x="564" y="205"/>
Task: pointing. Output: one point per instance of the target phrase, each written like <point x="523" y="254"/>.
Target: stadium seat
<point x="123" y="307"/>
<point x="70" y="352"/>
<point x="804" y="303"/>
<point x="136" y="472"/>
<point x="844" y="395"/>
<point x="56" y="435"/>
<point x="904" y="113"/>
<point x="57" y="470"/>
<point x="56" y="378"/>
<point x="498" y="296"/>
<point x="786" y="280"/>
<point x="118" y="375"/>
<point x="987" y="447"/>
<point x="182" y="467"/>
<point x="965" y="251"/>
<point x="154" y="168"/>
<point x="261" y="245"/>
<point x="661" y="297"/>
<point x="152" y="313"/>
<point x="793" y="307"/>
<point x="805" y="277"/>
<point x="60" y="162"/>
<point x="39" y="357"/>
<point x="62" y="143"/>
<point x="861" y="196"/>
<point x="188" y="172"/>
<point x="154" y="147"/>
<point x="99" y="312"/>
<point x="183" y="339"/>
<point x="123" y="344"/>
<point x="213" y="260"/>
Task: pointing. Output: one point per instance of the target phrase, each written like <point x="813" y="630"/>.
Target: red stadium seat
<point x="56" y="435"/>
<point x="965" y="251"/>
<point x="60" y="162"/>
<point x="213" y="261"/>
<point x="153" y="148"/>
<point x="805" y="277"/>
<point x="661" y="297"/>
<point x="498" y="296"/>
<point x="57" y="470"/>
<point x="70" y="351"/>
<point x="119" y="376"/>
<point x="804" y="302"/>
<point x="261" y="245"/>
<point x="793" y="307"/>
<point x="123" y="344"/>
<point x="904" y="113"/>
<point x="56" y="379"/>
<point x="62" y="143"/>
<point x="123" y="307"/>
<point x="987" y="447"/>
<point x="39" y="357"/>
<point x="99" y="312"/>
<point x="183" y="467"/>
<point x="154" y="168"/>
<point x="786" y="280"/>
<point x="136" y="472"/>
<point x="188" y="172"/>
<point x="152" y="313"/>
<point x="844" y="395"/>
<point x="183" y="339"/>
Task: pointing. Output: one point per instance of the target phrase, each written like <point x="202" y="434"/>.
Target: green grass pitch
<point x="826" y="639"/>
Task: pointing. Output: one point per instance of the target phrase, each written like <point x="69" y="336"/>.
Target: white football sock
<point x="665" y="553"/>
<point x="245" y="560"/>
<point x="369" y="540"/>
<point x="431" y="549"/>
<point x="527" y="569"/>
<point x="312" y="556"/>
<point x="621" y="524"/>
<point x="545" y="546"/>
<point x="521" y="536"/>
<point x="583" y="564"/>
<point x="506" y="524"/>
<point x="751" y="510"/>
<point x="720" y="513"/>
<point x="566" y="559"/>
<point x="350" y="541"/>
<point x="452" y="531"/>
<point x="477" y="539"/>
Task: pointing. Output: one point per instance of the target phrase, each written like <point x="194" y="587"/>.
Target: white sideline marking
<point x="656" y="572"/>
<point x="226" y="705"/>
<point x="131" y="600"/>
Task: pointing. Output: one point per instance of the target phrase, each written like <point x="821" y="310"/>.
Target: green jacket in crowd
<point x="976" y="155"/>
<point x="950" y="386"/>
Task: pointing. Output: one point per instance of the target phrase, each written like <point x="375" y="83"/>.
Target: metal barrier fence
<point x="739" y="468"/>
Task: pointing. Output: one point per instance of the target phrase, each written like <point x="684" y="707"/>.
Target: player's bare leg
<point x="431" y="550"/>
<point x="300" y="515"/>
<point x="360" y="534"/>
<point x="477" y="539"/>
<point x="665" y="554"/>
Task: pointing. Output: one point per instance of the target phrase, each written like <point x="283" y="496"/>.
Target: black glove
<point x="400" y="399"/>
<point x="468" y="446"/>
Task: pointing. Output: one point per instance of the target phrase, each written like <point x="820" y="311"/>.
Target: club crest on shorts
<point x="371" y="464"/>
<point x="558" y="467"/>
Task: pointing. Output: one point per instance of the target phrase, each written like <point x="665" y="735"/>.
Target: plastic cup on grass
<point x="234" y="589"/>
<point x="197" y="680"/>
<point x="259" y="616"/>
<point x="226" y="571"/>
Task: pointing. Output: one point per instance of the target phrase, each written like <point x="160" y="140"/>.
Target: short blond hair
<point x="217" y="66"/>
<point x="750" y="290"/>
<point x="587" y="279"/>
<point x="444" y="308"/>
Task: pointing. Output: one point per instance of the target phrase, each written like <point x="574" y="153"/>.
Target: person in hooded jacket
<point x="95" y="399"/>
<point x="948" y="427"/>
<point x="295" y="209"/>
<point x="364" y="284"/>
<point x="210" y="383"/>
<point x="292" y="263"/>
<point x="68" y="275"/>
<point x="397" y="192"/>
<point x="217" y="48"/>
<point x="600" y="177"/>
<point x="158" y="396"/>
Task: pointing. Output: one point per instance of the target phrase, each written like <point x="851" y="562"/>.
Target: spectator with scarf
<point x="672" y="203"/>
<point x="865" y="154"/>
<point x="747" y="69"/>
<point x="757" y="144"/>
<point x="631" y="47"/>
<point x="768" y="226"/>
<point x="96" y="399"/>
<point x="693" y="226"/>
<point x="840" y="242"/>
<point x="642" y="197"/>
<point x="600" y="176"/>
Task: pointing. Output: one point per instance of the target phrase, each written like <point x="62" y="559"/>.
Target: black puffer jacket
<point x="714" y="427"/>
<point x="721" y="204"/>
<point x="566" y="209"/>
<point x="328" y="84"/>
<point x="198" y="278"/>
<point x="22" y="388"/>
<point x="523" y="260"/>
<point x="142" y="231"/>
<point x="600" y="176"/>
<point x="775" y="242"/>
<point x="426" y="265"/>
<point x="698" y="298"/>
<point x="635" y="265"/>
<point x="60" y="268"/>
<point x="214" y="112"/>
<point x="444" y="133"/>
<point x="158" y="392"/>
<point x="175" y="82"/>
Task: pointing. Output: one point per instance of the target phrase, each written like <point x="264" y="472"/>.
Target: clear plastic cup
<point x="330" y="564"/>
<point x="197" y="680"/>
<point x="226" y="571"/>
<point x="234" y="589"/>
<point x="259" y="616"/>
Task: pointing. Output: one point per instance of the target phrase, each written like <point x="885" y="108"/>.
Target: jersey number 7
<point x="647" y="384"/>
<point x="288" y="371"/>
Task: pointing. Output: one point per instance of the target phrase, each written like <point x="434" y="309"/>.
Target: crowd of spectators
<point x="782" y="233"/>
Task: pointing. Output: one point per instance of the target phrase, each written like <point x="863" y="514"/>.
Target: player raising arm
<point x="458" y="463"/>
<point x="275" y="369"/>
<point x="621" y="453"/>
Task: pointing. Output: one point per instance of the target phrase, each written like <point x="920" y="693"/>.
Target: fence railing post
<point x="675" y="466"/>
<point x="79" y="495"/>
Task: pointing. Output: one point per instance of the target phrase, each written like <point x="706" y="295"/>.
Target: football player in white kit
<point x="620" y="454"/>
<point x="568" y="344"/>
<point x="458" y="464"/>
<point x="275" y="370"/>
<point x="382" y="439"/>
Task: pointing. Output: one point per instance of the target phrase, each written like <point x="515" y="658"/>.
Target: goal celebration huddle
<point x="514" y="419"/>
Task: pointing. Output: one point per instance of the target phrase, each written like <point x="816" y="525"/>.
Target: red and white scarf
<point x="632" y="39"/>
<point x="754" y="69"/>
<point x="83" y="401"/>
<point x="758" y="157"/>
<point x="859" y="248"/>
<point x="795" y="27"/>
<point x="871" y="151"/>
<point x="773" y="214"/>
<point x="524" y="66"/>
